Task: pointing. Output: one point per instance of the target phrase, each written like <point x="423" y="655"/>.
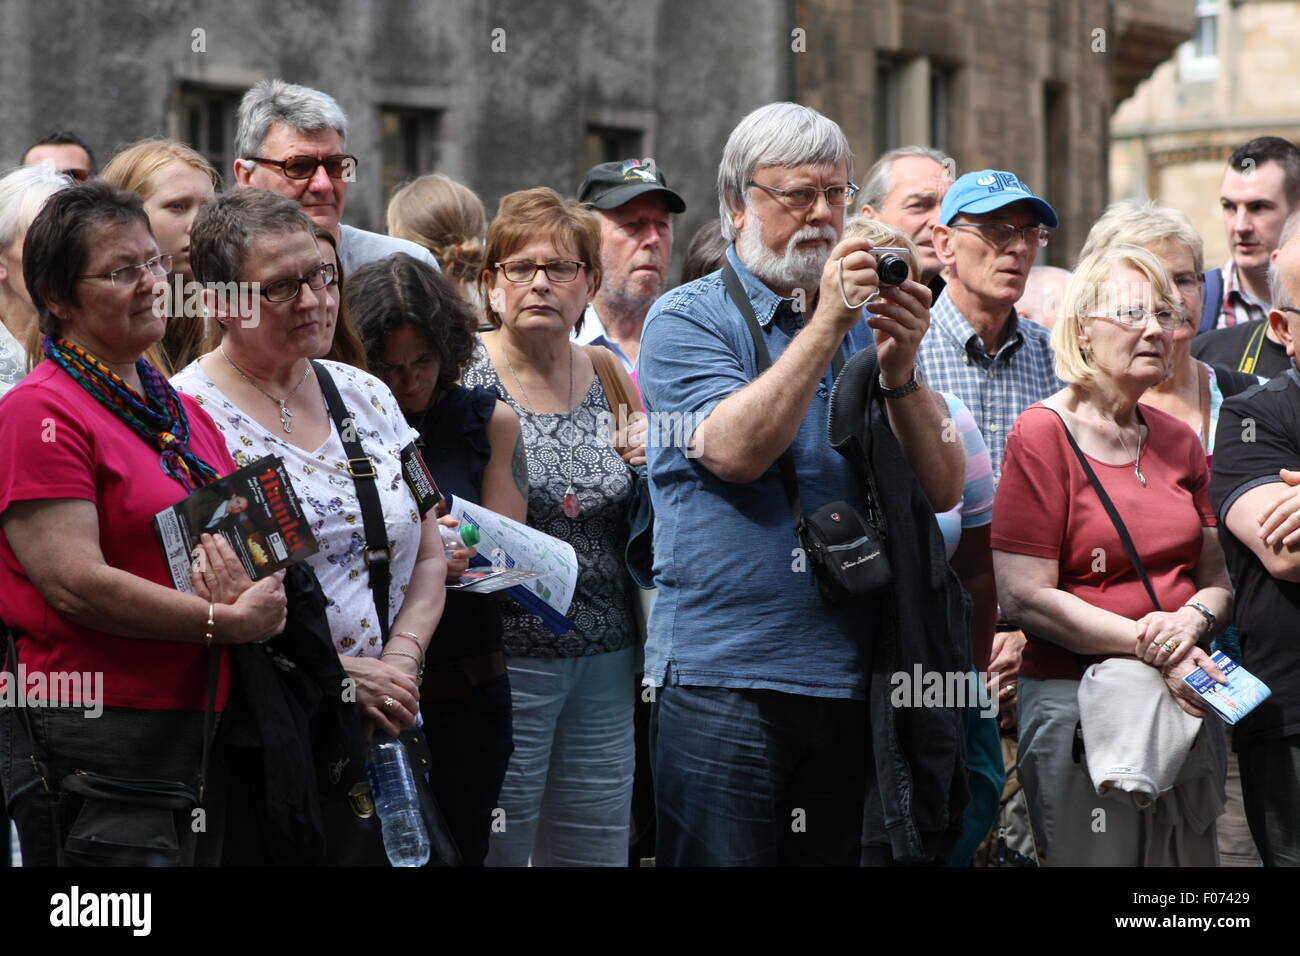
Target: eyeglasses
<point x="304" y="167"/>
<point x="803" y="196"/>
<point x="80" y="175"/>
<point x="282" y="290"/>
<point x="128" y="276"/>
<point x="557" y="270"/>
<point x="1001" y="234"/>
<point x="1136" y="318"/>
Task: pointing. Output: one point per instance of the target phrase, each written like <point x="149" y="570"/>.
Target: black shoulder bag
<point x="102" y="820"/>
<point x="845" y="549"/>
<point x="379" y="555"/>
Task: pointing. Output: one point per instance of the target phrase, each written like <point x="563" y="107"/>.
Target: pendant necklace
<point x="569" y="503"/>
<point x="286" y="416"/>
<point x="1137" y="459"/>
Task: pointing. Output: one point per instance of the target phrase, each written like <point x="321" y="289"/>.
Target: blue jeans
<point x="470" y="739"/>
<point x="567" y="796"/>
<point x="757" y="777"/>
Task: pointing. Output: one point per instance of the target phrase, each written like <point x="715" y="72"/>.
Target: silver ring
<point x="390" y="702"/>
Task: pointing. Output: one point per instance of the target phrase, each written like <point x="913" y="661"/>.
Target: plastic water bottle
<point x="398" y="802"/>
<point x="458" y="539"/>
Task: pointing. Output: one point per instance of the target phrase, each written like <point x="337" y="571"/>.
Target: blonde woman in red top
<point x="1063" y="573"/>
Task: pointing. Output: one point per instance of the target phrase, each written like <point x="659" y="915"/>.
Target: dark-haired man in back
<point x="65" y="151"/>
<point x="1260" y="188"/>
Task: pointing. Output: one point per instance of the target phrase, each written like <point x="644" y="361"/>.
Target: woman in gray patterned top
<point x="567" y="792"/>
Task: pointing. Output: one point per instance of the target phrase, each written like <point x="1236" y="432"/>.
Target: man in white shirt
<point x="290" y="141"/>
<point x="636" y="241"/>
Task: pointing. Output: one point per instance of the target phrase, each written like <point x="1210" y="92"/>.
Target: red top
<point x="1046" y="508"/>
<point x="57" y="441"/>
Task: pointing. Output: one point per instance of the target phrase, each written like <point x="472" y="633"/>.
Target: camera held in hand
<point x="891" y="267"/>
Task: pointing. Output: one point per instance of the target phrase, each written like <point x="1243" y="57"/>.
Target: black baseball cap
<point x="610" y="185"/>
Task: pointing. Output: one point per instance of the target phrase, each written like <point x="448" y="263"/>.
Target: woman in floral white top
<point x="262" y="391"/>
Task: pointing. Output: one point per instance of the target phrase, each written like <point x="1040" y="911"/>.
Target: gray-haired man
<point x="760" y="720"/>
<point x="290" y="141"/>
<point x="904" y="188"/>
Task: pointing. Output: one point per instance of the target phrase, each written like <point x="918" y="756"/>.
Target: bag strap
<point x="763" y="361"/>
<point x="1213" y="302"/>
<point x="1106" y="503"/>
<point x="615" y="383"/>
<point x="361" y="467"/>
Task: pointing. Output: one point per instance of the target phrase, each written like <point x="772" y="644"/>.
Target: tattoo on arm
<point x="519" y="467"/>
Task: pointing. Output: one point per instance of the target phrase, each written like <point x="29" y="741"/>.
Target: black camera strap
<point x="763" y="361"/>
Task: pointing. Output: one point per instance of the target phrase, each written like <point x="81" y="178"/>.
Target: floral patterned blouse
<point x="329" y="496"/>
<point x="603" y="483"/>
<point x="13" y="360"/>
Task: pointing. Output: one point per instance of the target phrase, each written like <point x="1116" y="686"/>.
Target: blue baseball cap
<point x="990" y="189"/>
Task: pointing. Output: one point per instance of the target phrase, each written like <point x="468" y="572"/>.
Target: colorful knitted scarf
<point x="158" y="417"/>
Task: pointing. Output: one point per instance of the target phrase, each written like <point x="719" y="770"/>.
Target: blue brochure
<point x="1235" y="699"/>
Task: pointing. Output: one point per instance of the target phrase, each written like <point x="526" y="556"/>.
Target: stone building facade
<point x="1237" y="78"/>
<point x="505" y="94"/>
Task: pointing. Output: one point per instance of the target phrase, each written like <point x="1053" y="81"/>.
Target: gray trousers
<point x="1072" y="825"/>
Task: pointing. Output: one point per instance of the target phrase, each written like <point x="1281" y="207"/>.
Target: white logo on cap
<point x="986" y="180"/>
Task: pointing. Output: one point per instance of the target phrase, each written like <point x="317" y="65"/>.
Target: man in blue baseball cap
<point x="991" y="226"/>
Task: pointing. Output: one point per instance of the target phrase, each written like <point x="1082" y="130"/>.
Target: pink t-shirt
<point x="57" y="441"/>
<point x="1045" y="507"/>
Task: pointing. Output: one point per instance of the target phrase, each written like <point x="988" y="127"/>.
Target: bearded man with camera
<point x="760" y="737"/>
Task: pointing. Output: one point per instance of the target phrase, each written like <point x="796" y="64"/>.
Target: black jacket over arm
<point x="918" y="792"/>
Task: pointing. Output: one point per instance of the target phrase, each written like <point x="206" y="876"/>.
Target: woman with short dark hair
<point x="419" y="336"/>
<point x="93" y="443"/>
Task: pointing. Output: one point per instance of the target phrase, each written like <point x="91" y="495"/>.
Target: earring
<point x="497" y="300"/>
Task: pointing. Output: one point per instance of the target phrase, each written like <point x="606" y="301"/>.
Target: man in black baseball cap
<point x="636" y="242"/>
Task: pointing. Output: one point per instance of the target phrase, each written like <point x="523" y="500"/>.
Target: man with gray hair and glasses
<point x="904" y="188"/>
<point x="290" y="140"/>
<point x="759" y="730"/>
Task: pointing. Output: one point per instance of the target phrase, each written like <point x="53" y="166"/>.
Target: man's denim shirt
<point x="738" y="605"/>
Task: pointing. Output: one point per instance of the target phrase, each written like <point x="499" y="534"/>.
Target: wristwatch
<point x="1204" y="611"/>
<point x="913" y="385"/>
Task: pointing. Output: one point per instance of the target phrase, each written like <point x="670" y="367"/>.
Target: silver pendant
<point x="286" y="419"/>
<point x="1142" y="479"/>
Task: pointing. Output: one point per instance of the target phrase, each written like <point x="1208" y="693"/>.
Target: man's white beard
<point x="797" y="268"/>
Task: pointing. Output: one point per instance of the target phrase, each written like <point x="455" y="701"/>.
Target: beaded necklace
<point x="158" y="416"/>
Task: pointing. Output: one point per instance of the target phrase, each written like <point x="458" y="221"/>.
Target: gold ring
<point x="390" y="702"/>
<point x="1170" y="645"/>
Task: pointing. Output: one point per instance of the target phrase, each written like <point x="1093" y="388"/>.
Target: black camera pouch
<point x="847" y="555"/>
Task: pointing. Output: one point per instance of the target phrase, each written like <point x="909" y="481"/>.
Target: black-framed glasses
<point x="557" y="270"/>
<point x="338" y="166"/>
<point x="1001" y="234"/>
<point x="1171" y="320"/>
<point x="801" y="197"/>
<point x="282" y="290"/>
<point x="128" y="276"/>
<point x="1287" y="308"/>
